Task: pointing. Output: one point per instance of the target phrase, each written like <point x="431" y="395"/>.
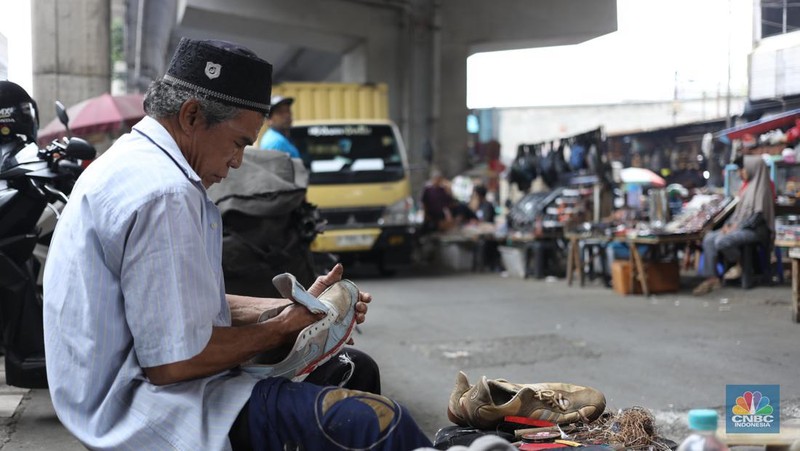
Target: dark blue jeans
<point x="317" y="414"/>
<point x="728" y="244"/>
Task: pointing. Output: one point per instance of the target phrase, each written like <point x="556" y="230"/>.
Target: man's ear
<point x="190" y="116"/>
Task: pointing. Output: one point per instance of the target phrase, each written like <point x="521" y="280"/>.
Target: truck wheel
<point x="383" y="269"/>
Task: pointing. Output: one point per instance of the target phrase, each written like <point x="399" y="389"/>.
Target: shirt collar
<point x="161" y="137"/>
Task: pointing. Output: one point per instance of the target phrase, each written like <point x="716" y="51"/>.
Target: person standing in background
<point x="280" y="123"/>
<point x="436" y="200"/>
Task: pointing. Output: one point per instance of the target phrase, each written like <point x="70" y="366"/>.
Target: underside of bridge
<point x="418" y="48"/>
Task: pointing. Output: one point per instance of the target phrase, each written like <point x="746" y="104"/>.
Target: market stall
<point x="564" y="182"/>
<point x="787" y="237"/>
<point x="777" y="139"/>
<point x="704" y="214"/>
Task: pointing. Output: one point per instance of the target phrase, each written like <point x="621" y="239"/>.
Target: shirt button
<point x="214" y="225"/>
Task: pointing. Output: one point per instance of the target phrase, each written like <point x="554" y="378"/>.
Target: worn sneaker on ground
<point x="319" y="341"/>
<point x="485" y="404"/>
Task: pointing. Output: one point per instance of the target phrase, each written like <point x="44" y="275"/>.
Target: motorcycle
<point x="34" y="186"/>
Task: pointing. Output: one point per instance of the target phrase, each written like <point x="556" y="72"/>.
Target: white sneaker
<point x="319" y="341"/>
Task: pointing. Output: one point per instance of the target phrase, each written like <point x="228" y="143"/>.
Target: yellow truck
<point x="359" y="176"/>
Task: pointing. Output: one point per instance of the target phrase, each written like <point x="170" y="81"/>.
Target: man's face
<point x="216" y="149"/>
<point x="281" y="117"/>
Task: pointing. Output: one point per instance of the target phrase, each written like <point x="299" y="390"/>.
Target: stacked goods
<point x="698" y="214"/>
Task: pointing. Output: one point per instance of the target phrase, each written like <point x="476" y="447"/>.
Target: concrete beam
<point x="418" y="47"/>
<point x="259" y="28"/>
<point x="513" y="24"/>
<point x="290" y="19"/>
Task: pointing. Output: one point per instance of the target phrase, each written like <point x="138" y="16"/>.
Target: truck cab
<point x="359" y="180"/>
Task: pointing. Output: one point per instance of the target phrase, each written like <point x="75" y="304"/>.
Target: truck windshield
<point x="349" y="153"/>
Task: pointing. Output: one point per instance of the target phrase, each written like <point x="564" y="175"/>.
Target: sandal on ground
<point x="733" y="273"/>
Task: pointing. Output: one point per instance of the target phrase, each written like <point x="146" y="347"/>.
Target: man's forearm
<point x="247" y="309"/>
<point x="232" y="346"/>
<point x="227" y="348"/>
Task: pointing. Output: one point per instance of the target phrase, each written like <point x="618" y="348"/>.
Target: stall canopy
<point x="763" y="125"/>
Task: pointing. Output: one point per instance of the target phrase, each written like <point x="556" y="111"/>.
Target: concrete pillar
<point x="450" y="152"/>
<point x="3" y="57"/>
<point x="354" y="65"/>
<point x="149" y="26"/>
<point x="71" y="52"/>
<point x="422" y="75"/>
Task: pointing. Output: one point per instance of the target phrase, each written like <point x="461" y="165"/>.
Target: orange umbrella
<point x="104" y="113"/>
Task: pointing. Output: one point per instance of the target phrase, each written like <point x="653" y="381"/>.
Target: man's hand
<point x="333" y="276"/>
<point x="323" y="282"/>
<point x="248" y="309"/>
<point x="230" y="346"/>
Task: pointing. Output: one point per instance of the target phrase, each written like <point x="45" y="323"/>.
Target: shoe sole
<point x="352" y="290"/>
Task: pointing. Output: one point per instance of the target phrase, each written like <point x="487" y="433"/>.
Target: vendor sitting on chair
<point x="753" y="221"/>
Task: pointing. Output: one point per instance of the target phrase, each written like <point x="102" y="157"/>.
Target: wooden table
<point x="574" y="254"/>
<point x="529" y="243"/>
<point x="637" y="264"/>
<point x="794" y="254"/>
<point x="473" y="239"/>
<point x="790" y="434"/>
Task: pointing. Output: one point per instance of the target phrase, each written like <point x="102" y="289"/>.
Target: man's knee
<point x="352" y="369"/>
<point x="366" y="375"/>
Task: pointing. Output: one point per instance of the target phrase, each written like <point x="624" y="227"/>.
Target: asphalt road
<point x="666" y="353"/>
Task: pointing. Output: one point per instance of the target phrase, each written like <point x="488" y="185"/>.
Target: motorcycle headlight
<point x="399" y="213"/>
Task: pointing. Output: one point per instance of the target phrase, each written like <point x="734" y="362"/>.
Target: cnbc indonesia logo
<point x="753" y="409"/>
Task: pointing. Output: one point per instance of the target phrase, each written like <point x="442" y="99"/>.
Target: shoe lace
<point x="345" y="359"/>
<point x="558" y="401"/>
<point x="552" y="398"/>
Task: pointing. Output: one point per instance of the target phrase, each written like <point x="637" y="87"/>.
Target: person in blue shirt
<point x="280" y="121"/>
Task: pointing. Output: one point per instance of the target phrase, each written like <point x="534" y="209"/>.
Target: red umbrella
<point x="104" y="113"/>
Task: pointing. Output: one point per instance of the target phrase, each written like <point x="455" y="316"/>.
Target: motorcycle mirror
<point x="80" y="149"/>
<point x="61" y="112"/>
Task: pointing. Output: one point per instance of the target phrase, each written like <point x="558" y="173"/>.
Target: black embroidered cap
<point x="224" y="71"/>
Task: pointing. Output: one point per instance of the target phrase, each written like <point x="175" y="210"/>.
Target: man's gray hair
<point x="163" y="100"/>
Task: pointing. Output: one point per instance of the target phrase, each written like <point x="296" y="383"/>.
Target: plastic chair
<point x="756" y="265"/>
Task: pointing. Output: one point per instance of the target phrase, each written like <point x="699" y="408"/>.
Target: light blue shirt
<point x="273" y="140"/>
<point x="134" y="279"/>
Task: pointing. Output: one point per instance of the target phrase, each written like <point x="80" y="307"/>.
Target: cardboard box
<point x="456" y="256"/>
<point x="662" y="277"/>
